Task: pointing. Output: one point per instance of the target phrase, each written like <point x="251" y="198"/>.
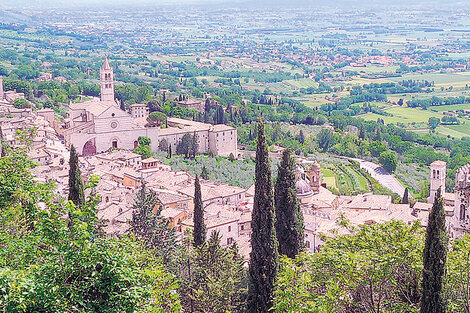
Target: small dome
<point x="303" y="188"/>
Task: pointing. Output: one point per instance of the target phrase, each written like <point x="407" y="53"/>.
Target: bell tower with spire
<point x="107" y="81"/>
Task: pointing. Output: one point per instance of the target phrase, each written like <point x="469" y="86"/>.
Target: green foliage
<point x="376" y="268"/>
<point x="144" y="141"/>
<point x="144" y="151"/>
<point x="149" y="226"/>
<point x="325" y="139"/>
<point x="21" y="103"/>
<point x="157" y="118"/>
<point x="289" y="216"/>
<point x="199" y="226"/>
<point x="434" y="259"/>
<point x="457" y="279"/>
<point x="76" y="189"/>
<point x="163" y="145"/>
<point x="204" y="173"/>
<point x="264" y="254"/>
<point x="389" y="161"/>
<point x="144" y="147"/>
<point x="188" y="146"/>
<point x="49" y="263"/>
<point x="434" y="122"/>
<point x="213" y="278"/>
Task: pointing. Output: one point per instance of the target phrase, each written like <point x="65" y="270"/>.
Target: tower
<point x="314" y="175"/>
<point x="107" y="81"/>
<point x="438" y="179"/>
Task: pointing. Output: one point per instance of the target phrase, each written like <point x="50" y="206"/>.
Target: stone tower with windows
<point x="438" y="179"/>
<point x="107" y="82"/>
<point x="314" y="175"/>
<point x="461" y="218"/>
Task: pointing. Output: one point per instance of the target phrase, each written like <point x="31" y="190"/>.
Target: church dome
<point x="303" y="188"/>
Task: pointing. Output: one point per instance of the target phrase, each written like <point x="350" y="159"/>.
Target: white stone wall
<point x="226" y="231"/>
<point x="223" y="142"/>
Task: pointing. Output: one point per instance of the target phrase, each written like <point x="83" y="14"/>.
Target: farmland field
<point x="440" y="108"/>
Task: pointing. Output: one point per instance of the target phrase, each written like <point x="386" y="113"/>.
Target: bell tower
<point x="107" y="81"/>
<point x="438" y="179"/>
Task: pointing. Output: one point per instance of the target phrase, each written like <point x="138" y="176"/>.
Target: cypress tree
<point x="264" y="255"/>
<point x="199" y="227"/>
<point x="434" y="259"/>
<point x="289" y="217"/>
<point x="76" y="189"/>
<point x="405" y="199"/>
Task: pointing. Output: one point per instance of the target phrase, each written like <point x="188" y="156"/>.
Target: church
<point x="96" y="126"/>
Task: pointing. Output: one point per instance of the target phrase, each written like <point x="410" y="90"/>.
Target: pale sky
<point x="267" y="3"/>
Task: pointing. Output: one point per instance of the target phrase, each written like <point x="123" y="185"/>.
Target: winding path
<point x="383" y="176"/>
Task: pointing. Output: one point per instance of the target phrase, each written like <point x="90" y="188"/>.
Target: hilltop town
<point x="106" y="137"/>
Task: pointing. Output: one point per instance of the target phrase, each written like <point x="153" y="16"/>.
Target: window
<point x="307" y="244"/>
<point x="433" y="173"/>
<point x="115" y="144"/>
<point x="242" y="227"/>
<point x="230" y="228"/>
<point x="229" y="241"/>
<point x="463" y="212"/>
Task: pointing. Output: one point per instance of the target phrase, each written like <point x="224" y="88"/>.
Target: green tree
<point x="188" y="146"/>
<point x="163" y="145"/>
<point x="264" y="254"/>
<point x="405" y="199"/>
<point x="434" y="259"/>
<point x="457" y="279"/>
<point x="148" y="225"/>
<point x="388" y="159"/>
<point x="58" y="266"/>
<point x="199" y="226"/>
<point x="375" y="268"/>
<point x="76" y="189"/>
<point x="213" y="278"/>
<point x="144" y="141"/>
<point x="144" y="147"/>
<point x="157" y="118"/>
<point x="289" y="217"/>
<point x="21" y="103"/>
<point x="434" y="122"/>
<point x="325" y="139"/>
<point x="204" y="173"/>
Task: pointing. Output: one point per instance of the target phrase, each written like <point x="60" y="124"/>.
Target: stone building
<point x="96" y="126"/>
<point x="461" y="218"/>
<point x="438" y="179"/>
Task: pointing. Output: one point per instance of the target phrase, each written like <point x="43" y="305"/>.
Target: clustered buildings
<point x="94" y="127"/>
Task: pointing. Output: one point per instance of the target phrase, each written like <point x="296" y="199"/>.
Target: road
<point x="384" y="177"/>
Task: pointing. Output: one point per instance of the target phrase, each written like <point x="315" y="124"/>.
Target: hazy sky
<point x="111" y="3"/>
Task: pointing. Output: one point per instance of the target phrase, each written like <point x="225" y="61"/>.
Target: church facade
<point x="98" y="125"/>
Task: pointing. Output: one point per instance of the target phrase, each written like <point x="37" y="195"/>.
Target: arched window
<point x="437" y="174"/>
<point x="433" y="173"/>
<point x="115" y="144"/>
<point x="463" y="212"/>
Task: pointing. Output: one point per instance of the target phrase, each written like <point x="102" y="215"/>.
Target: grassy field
<point x="440" y="79"/>
<point x="344" y="178"/>
<point x="440" y="108"/>
<point x="403" y="115"/>
<point x="417" y="119"/>
<point x="329" y="178"/>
